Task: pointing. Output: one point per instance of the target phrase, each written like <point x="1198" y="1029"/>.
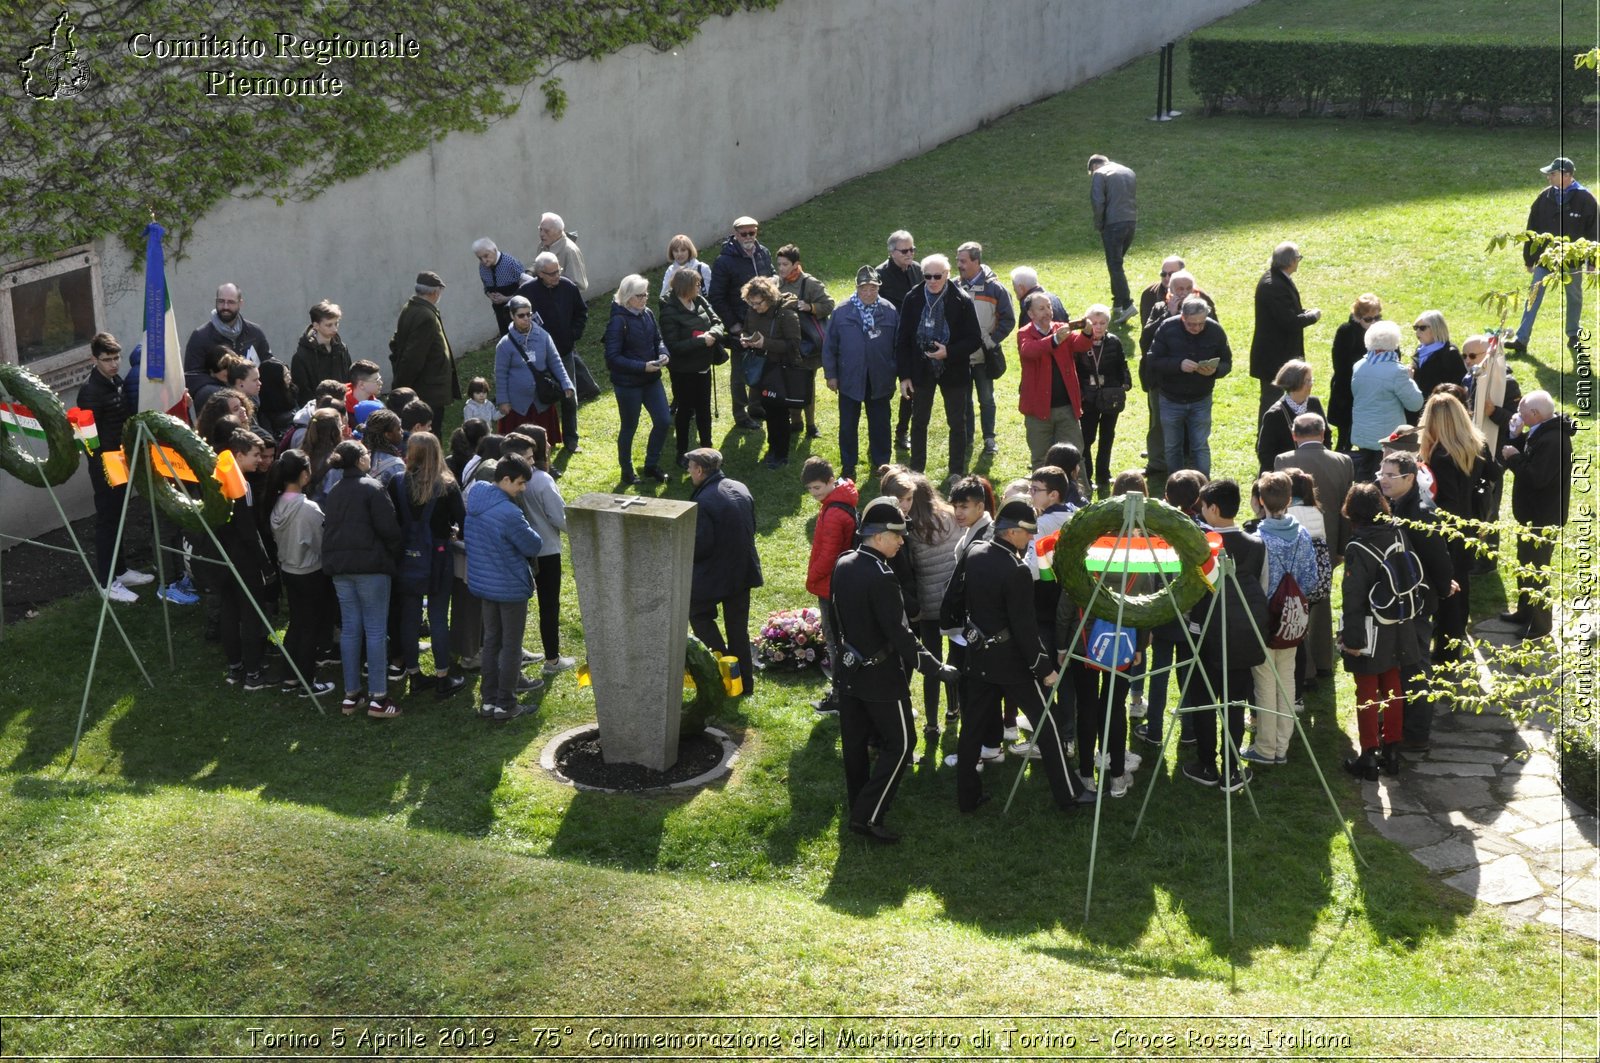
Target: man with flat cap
<point x="877" y="654"/>
<point x="858" y="363"/>
<point x="743" y="257"/>
<point x="419" y="352"/>
<point x="1006" y="658"/>
<point x="1567" y="209"/>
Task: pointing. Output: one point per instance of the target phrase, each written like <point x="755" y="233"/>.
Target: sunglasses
<point x="905" y="250"/>
<point x="1370" y="320"/>
<point x="1420" y="328"/>
<point x="934" y="276"/>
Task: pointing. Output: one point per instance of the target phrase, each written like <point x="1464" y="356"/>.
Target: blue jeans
<point x="1574" y="304"/>
<point x="653" y="397"/>
<point x="1117" y="239"/>
<point x="879" y="450"/>
<point x="983" y="384"/>
<point x="1186" y="426"/>
<point x="364" y="611"/>
<point x="438" y="595"/>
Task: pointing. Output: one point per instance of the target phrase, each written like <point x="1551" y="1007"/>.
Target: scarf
<point x="230" y="331"/>
<point x="869" y="319"/>
<point x="1296" y="408"/>
<point x="1375" y="357"/>
<point x="933" y="326"/>
<point x="1426" y="351"/>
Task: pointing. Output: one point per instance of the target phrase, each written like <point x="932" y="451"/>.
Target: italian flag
<point x="162" y="387"/>
<point x="17" y="417"/>
<point x="1044" y="551"/>
<point x="83" y="429"/>
<point x="1132" y="554"/>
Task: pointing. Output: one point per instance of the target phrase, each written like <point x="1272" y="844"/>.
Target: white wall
<point x="877" y="82"/>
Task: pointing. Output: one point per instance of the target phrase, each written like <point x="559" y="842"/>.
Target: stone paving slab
<point x="1453" y="768"/>
<point x="1581" y="890"/>
<point x="1516" y="787"/>
<point x="1542" y="809"/>
<point x="1453" y="793"/>
<point x="1464" y="755"/>
<point x="1475" y="739"/>
<point x="1492" y="817"/>
<point x="1505" y="880"/>
<point x="1537" y="764"/>
<point x="1556" y="837"/>
<point x="1409" y="830"/>
<point x="1388" y="796"/>
<point x="1448" y="855"/>
<point x="1572" y="921"/>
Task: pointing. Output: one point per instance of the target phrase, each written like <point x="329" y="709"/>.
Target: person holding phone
<point x="635" y="356"/>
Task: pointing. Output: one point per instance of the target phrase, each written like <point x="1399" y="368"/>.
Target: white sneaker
<point x="529" y="656"/>
<point x="1137" y="707"/>
<point x="560" y="664"/>
<point x="1121" y="784"/>
<point x="134" y="578"/>
<point x="1131" y="761"/>
<point x="989" y="755"/>
<point x="1010" y="734"/>
<point x="1088" y="782"/>
<point x="118" y="593"/>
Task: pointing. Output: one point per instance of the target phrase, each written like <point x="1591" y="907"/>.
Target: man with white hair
<point x="1116" y="209"/>
<point x="1189" y="354"/>
<point x="900" y="273"/>
<point x="563" y="314"/>
<point x="501" y="276"/>
<point x="1540" y="454"/>
<point x="933" y="350"/>
<point x="1024" y="282"/>
<point x="554" y="239"/>
<point x="419" y="351"/>
<point x="1281" y="323"/>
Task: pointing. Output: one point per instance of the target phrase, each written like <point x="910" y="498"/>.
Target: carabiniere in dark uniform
<point x="877" y="654"/>
<point x="1006" y="658"/>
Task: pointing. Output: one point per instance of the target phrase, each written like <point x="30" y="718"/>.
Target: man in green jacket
<point x="419" y="351"/>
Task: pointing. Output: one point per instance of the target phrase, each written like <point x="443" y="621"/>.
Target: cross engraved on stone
<point x="624" y="503"/>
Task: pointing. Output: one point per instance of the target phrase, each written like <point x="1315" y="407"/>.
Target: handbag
<point x="755" y="367"/>
<point x="784" y="386"/>
<point x="546" y="388"/>
<point x="994" y="362"/>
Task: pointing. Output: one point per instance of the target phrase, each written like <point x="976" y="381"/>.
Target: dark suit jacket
<point x="1275" y="434"/>
<point x="1281" y="324"/>
<point x="1333" y="473"/>
<point x="1543" y="467"/>
<point x="725" y="559"/>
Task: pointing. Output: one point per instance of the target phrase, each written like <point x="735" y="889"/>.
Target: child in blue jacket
<point x="500" y="546"/>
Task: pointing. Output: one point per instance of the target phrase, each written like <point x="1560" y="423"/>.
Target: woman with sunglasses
<point x="1437" y="359"/>
<point x="1349" y="346"/>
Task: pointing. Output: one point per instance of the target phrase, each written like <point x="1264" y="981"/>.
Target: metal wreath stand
<point x="141" y="454"/>
<point x="1133" y="506"/>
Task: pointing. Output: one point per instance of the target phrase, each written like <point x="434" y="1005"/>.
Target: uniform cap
<point x="1016" y="514"/>
<point x="883" y="515"/>
<point x="867" y="275"/>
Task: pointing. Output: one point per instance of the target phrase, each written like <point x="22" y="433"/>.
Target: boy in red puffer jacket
<point x="835" y="533"/>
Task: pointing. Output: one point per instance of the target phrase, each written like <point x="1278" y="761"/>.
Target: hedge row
<point x="1422" y="80"/>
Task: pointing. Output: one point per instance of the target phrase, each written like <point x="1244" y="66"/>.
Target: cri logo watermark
<point x="52" y="70"/>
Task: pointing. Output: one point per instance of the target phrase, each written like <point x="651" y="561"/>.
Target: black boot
<point x="1363" y="767"/>
<point x="1390" y="761"/>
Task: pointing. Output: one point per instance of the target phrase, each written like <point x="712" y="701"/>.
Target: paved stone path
<point x="1484" y="810"/>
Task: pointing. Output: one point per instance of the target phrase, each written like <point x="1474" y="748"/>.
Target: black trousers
<point x="691" y="398"/>
<point x="547" y="585"/>
<point x="736" y="617"/>
<point x="311" y="613"/>
<point x="980" y="711"/>
<point x="1537" y="554"/>
<point x="1415" y="678"/>
<point x="1240" y="686"/>
<point x="870" y="787"/>
<point x="1092" y="723"/>
<point x="244" y="638"/>
<point x="108" y="503"/>
<point x="956" y="390"/>
<point x="928" y="635"/>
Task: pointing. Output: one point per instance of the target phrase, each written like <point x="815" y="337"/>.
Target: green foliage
<point x="146" y="137"/>
<point x="1439" y="78"/>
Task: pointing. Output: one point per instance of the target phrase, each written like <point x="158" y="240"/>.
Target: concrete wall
<point x="871" y="84"/>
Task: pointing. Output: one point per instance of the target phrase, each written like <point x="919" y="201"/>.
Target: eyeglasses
<point x="934" y="276"/>
<point x="1035" y="489"/>
<point x="746" y="232"/>
<point x="1370" y="320"/>
<point x="550" y="273"/>
<point x="1393" y="475"/>
<point x="1420" y="328"/>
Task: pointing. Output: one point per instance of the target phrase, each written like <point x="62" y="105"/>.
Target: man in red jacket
<point x="835" y="533"/>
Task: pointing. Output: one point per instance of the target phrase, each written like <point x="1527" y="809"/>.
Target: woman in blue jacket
<point x="635" y="356"/>
<point x="524" y="350"/>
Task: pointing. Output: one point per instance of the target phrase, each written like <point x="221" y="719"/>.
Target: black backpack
<point x="1399" y="591"/>
<point x="855" y="519"/>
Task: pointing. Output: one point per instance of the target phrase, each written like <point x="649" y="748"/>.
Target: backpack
<point x="1324" y="558"/>
<point x="1288" y="610"/>
<point x="855" y="519"/>
<point x="1109" y="647"/>
<point x="418" y="551"/>
<point x="1399" y="591"/>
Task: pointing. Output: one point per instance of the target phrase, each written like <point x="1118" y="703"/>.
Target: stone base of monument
<point x="574" y="758"/>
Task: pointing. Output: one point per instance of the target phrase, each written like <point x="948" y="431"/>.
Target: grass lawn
<point x="1511" y="21"/>
<point x="217" y="853"/>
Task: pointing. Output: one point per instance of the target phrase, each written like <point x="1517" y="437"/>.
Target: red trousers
<point x="1379" y="694"/>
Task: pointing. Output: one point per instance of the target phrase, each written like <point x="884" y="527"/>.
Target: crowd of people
<point x="358" y="517"/>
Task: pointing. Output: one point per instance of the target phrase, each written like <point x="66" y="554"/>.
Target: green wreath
<point x="212" y="508"/>
<point x="709" y="694"/>
<point x="61" y="457"/>
<point x="1138" y="610"/>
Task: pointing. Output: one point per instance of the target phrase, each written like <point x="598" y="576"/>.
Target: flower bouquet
<point x="792" y="638"/>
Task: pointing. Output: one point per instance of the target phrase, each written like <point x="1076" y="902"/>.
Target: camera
<point x="929" y="346"/>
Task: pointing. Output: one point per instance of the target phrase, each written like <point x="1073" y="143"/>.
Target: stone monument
<point x="632" y="558"/>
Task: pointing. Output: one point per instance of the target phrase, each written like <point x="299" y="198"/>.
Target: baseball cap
<point x="1559" y="165"/>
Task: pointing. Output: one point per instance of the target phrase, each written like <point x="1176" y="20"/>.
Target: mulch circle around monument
<point x="575" y="757"/>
